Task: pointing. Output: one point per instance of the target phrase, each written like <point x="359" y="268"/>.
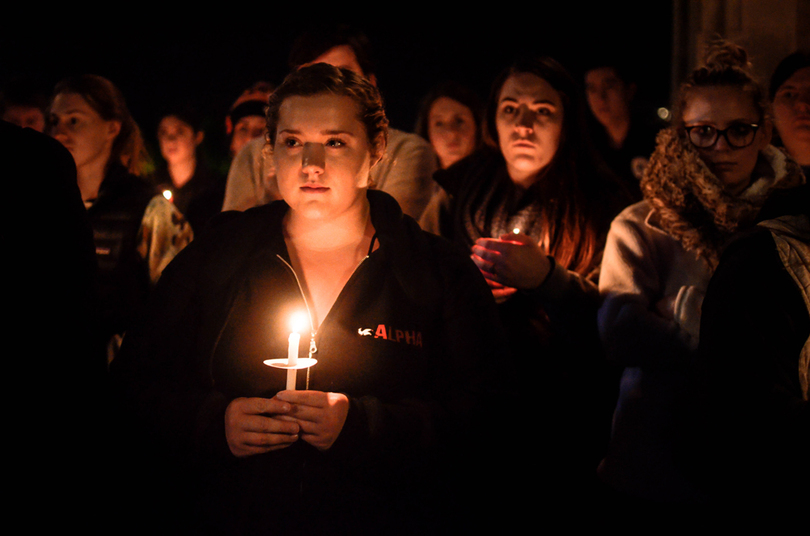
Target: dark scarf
<point x="489" y="204"/>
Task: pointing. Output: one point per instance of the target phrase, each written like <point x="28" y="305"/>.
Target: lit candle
<point x="516" y="230"/>
<point x="167" y="194"/>
<point x="297" y="324"/>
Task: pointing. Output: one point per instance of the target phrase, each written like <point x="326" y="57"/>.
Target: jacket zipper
<point x="313" y="348"/>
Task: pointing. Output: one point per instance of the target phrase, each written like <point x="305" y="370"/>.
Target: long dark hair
<point x="106" y="99"/>
<point x="576" y="189"/>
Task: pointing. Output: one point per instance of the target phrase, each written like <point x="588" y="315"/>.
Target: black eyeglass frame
<point x="724" y="132"/>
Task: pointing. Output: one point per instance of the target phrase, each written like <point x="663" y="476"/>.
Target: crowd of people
<point x="538" y="290"/>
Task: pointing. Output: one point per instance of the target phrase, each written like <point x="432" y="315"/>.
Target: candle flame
<point x="298" y="322"/>
<point x="516" y="230"/>
<point x="167" y="194"/>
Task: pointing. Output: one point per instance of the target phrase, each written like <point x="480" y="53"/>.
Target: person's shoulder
<point x="234" y="221"/>
<point x="399" y="140"/>
<point x="403" y="231"/>
<point x="482" y="163"/>
<point x="638" y="213"/>
<point x="636" y="224"/>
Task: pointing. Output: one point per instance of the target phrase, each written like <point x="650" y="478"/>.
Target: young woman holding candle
<point x="399" y="323"/>
<point x="711" y="172"/>
<point x="539" y="175"/>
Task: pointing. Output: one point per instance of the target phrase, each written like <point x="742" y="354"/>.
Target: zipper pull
<point x="312" y="348"/>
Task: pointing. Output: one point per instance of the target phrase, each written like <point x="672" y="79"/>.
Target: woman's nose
<point x="803" y="102"/>
<point x="313" y="158"/>
<point x="58" y="132"/>
<point x="525" y="118"/>
<point x="722" y="143"/>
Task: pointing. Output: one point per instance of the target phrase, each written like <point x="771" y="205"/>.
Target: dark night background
<point x="209" y="57"/>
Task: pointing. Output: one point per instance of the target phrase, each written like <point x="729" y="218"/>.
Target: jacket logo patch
<point x="391" y="334"/>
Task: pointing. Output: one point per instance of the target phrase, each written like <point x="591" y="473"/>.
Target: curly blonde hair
<point x="691" y="203"/>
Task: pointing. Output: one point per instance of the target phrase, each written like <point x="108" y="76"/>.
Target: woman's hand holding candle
<point x="513" y="260"/>
<point x="252" y="426"/>
<point x="320" y="415"/>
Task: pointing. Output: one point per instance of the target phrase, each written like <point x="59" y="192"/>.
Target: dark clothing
<point x="551" y="329"/>
<point x="406" y="341"/>
<point x="199" y="199"/>
<point x="629" y="160"/>
<point x="123" y="279"/>
<point x="752" y="433"/>
<point x="54" y="368"/>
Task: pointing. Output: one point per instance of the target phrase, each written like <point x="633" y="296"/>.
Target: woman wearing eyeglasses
<point x="708" y="176"/>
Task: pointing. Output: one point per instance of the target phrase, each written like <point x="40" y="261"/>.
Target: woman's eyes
<point x="292" y="143"/>
<point x="454" y="122"/>
<point x="740" y="130"/>
<point x="787" y="94"/>
<point x="545" y="111"/>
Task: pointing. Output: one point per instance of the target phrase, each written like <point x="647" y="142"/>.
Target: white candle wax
<point x="292" y="359"/>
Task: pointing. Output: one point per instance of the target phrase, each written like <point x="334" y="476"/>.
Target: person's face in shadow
<point x="791" y="115"/>
<point x="451" y="130"/>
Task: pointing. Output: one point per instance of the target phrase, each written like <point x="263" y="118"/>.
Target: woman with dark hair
<point x="790" y="95"/>
<point x="136" y="231"/>
<point x="533" y="208"/>
<point x="399" y="323"/>
<point x="194" y="187"/>
<point x="450" y="119"/>
<point x="709" y="175"/>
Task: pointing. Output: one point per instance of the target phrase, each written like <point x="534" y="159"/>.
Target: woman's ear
<point x="199" y="137"/>
<point x="114" y="128"/>
<point x="377" y="149"/>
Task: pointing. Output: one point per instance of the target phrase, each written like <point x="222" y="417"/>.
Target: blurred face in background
<point x="343" y="57"/>
<point x="246" y="129"/>
<point x="608" y="96"/>
<point x="178" y="140"/>
<point x="529" y="121"/>
<point x="451" y="130"/>
<point x="77" y="126"/>
<point x="25" y="117"/>
<point x="791" y="115"/>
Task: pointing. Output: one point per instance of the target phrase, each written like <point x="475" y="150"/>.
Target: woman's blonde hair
<point x="691" y="203"/>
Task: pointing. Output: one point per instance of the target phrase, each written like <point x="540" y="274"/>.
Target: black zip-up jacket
<point x="407" y="341"/>
<point x="123" y="275"/>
